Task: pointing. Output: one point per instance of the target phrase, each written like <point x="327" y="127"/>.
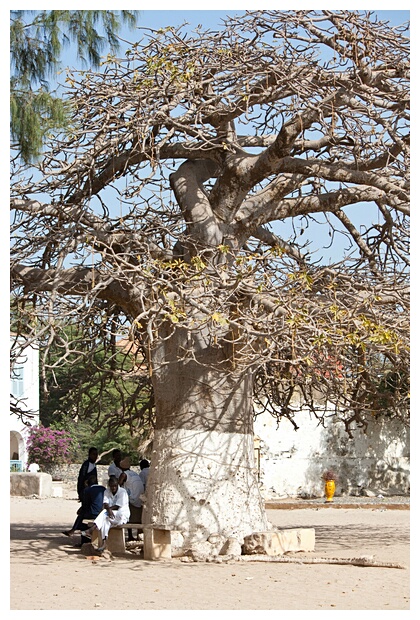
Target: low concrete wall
<point x="22" y="483"/>
<point x="66" y="473"/>
<point x="69" y="473"/>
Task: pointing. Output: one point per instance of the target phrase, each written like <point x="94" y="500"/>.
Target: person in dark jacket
<point x="92" y="504"/>
<point x="87" y="468"/>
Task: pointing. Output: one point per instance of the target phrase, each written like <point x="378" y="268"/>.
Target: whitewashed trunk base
<point x="203" y="484"/>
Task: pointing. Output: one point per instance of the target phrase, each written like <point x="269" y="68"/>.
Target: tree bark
<point x="203" y="479"/>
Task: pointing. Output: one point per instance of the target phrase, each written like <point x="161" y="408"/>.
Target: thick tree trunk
<point x="203" y="479"/>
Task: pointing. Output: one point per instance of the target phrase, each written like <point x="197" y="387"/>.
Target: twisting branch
<point x="184" y="208"/>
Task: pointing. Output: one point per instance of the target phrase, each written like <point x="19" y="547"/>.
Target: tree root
<point x="360" y="561"/>
<point x="363" y="560"/>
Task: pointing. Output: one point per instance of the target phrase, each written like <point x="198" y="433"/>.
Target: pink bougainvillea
<point x="49" y="447"/>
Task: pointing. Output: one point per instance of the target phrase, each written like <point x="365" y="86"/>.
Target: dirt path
<point x="47" y="572"/>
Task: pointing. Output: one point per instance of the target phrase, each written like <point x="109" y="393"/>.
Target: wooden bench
<point x="156" y="543"/>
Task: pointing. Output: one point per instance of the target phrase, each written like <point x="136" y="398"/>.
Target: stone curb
<point x="305" y="505"/>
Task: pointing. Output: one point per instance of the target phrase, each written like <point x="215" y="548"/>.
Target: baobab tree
<point x="177" y="214"/>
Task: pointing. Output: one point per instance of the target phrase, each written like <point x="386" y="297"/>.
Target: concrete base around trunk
<point x="26" y="484"/>
<point x="279" y="542"/>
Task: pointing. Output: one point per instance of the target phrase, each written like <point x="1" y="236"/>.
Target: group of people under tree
<point x="119" y="503"/>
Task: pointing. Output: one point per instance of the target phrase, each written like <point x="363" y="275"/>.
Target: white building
<point x="291" y="462"/>
<point x="24" y="388"/>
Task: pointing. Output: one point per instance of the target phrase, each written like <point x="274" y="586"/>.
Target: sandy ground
<point x="48" y="573"/>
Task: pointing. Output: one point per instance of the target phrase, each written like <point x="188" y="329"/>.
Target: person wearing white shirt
<point x="135" y="488"/>
<point x="114" y="469"/>
<point x="132" y="483"/>
<point x="116" y="511"/>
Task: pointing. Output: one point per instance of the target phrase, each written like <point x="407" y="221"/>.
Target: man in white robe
<point x="116" y="510"/>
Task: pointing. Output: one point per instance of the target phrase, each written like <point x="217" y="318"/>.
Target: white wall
<point x="29" y="401"/>
<point x="292" y="462"/>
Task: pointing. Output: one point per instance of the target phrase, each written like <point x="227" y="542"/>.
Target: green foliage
<point x="37" y="40"/>
<point x="84" y="436"/>
<point x="32" y="115"/>
<point x="98" y="397"/>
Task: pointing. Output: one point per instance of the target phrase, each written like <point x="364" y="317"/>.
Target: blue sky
<point x="212" y="19"/>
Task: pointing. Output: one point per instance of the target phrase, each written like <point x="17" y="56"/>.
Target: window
<point x="17" y="382"/>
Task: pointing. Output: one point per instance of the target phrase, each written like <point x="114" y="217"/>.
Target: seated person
<point x="116" y="511"/>
<point x="92" y="504"/>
